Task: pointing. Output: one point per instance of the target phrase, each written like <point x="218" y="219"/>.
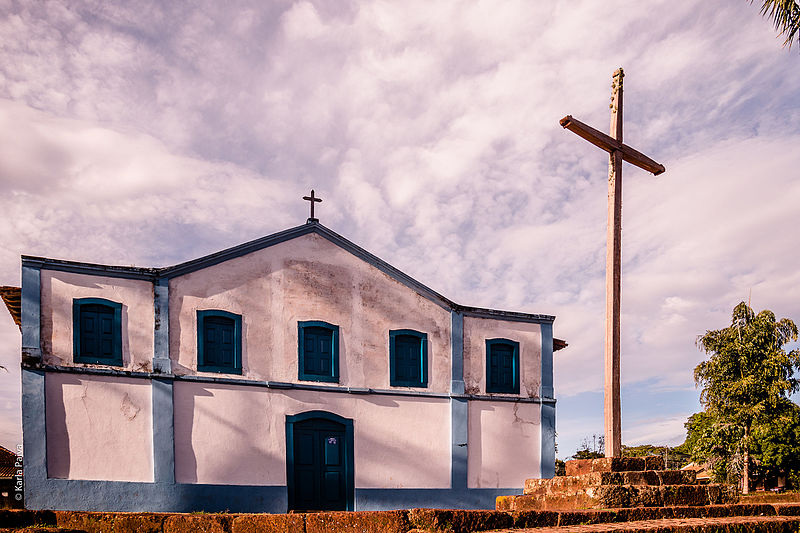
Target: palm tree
<point x="785" y="14"/>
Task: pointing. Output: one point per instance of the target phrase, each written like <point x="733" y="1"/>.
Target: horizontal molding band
<point x="280" y="384"/>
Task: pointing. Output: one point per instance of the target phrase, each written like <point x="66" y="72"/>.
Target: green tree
<point x="785" y="15"/>
<point x="746" y="380"/>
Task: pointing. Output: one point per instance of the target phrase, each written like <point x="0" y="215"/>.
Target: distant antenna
<point x="749" y="296"/>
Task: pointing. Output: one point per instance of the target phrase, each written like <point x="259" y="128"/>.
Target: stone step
<point x="596" y="479"/>
<point x="620" y="496"/>
<point x="577" y="467"/>
<point x="731" y="524"/>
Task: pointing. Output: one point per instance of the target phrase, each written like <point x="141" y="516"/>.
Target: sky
<point x="151" y="133"/>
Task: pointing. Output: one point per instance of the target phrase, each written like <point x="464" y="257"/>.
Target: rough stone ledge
<point x="403" y="521"/>
<point x="594" y="479"/>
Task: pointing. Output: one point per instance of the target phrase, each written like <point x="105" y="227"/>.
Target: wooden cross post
<point x="618" y="152"/>
<point x="312" y="199"/>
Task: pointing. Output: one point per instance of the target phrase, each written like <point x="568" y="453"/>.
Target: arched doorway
<point x="319" y="462"/>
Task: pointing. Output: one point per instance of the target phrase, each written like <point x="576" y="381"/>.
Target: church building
<point x="294" y="372"/>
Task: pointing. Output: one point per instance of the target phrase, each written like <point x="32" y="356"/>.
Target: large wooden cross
<point x="618" y="152"/>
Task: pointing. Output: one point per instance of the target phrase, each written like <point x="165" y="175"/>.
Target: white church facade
<point x="294" y="372"/>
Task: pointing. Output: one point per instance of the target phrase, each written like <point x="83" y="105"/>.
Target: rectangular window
<point x="219" y="342"/>
<point x="408" y="358"/>
<point x="318" y="351"/>
<point x="502" y="366"/>
<point x="97" y="331"/>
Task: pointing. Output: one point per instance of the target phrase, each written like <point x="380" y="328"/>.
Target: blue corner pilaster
<point x="161" y="362"/>
<point x="34" y="436"/>
<point x="548" y="429"/>
<point x="30" y="314"/>
<point x="460" y="449"/>
<point x="457" y="353"/>
<point x="163" y="432"/>
<point x="458" y="406"/>
<point x="546" y="390"/>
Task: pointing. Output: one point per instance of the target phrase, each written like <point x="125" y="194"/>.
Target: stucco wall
<point x="504" y="444"/>
<point x="99" y="428"/>
<point x="227" y="434"/>
<point x="58" y="289"/>
<point x="308" y="278"/>
<point x="529" y="337"/>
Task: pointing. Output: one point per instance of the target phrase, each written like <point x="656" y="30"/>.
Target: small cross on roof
<point x="312" y="200"/>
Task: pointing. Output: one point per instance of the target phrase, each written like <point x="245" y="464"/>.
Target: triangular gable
<point x="164" y="274"/>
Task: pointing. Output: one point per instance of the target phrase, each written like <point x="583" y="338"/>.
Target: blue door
<point x="319" y="462"/>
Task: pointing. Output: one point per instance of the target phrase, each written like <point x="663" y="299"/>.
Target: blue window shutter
<point x="408" y="358"/>
<point x="318" y="351"/>
<point x="219" y="342"/>
<point x="97" y="331"/>
<point x="502" y="366"/>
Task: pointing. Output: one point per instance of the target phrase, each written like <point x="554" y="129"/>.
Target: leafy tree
<point x="746" y="382"/>
<point x="776" y="446"/>
<point x="785" y="15"/>
<point x="591" y="449"/>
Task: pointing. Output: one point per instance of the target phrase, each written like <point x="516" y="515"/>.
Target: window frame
<point x="202" y="314"/>
<point x="423" y="348"/>
<point x="301" y="374"/>
<point x="490" y="343"/>
<point x="116" y="347"/>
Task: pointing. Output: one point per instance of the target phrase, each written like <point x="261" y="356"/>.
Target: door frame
<point x="291" y="420"/>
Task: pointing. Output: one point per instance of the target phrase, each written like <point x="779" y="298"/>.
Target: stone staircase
<point x="609" y="483"/>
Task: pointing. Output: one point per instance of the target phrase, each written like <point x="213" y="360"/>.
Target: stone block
<point x="523" y="519"/>
<point x="577" y="467"/>
<point x="653" y="462"/>
<point x="787" y="509"/>
<point x="589" y="516"/>
<point x="676" y="477"/>
<point x="456" y="521"/>
<point x="672" y="495"/>
<point x="23" y="518"/>
<point x="200" y="522"/>
<point x="139" y="522"/>
<point x="268" y="523"/>
<point x="611" y="496"/>
<point x="644" y="477"/>
<point x="644" y="513"/>
<point x="86" y="521"/>
<point x="722" y="494"/>
<point x="372" y="521"/>
<point x="646" y="496"/>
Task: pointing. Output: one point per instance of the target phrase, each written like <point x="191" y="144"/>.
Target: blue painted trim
<point x="334" y="329"/>
<point x="271" y="240"/>
<point x="490" y="344"/>
<point x="423" y="358"/>
<point x="385" y="499"/>
<point x="291" y="420"/>
<point x="122" y="496"/>
<point x="77" y="332"/>
<point x="34" y="432"/>
<point x="161" y="362"/>
<point x="108" y="371"/>
<point x="459" y="443"/>
<point x="547" y="361"/>
<point x="456" y="353"/>
<point x="30" y="313"/>
<point x="547" y="425"/>
<point x="163" y="431"/>
<point x="237" y="342"/>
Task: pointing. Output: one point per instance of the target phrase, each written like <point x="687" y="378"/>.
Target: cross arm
<point x="610" y="144"/>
